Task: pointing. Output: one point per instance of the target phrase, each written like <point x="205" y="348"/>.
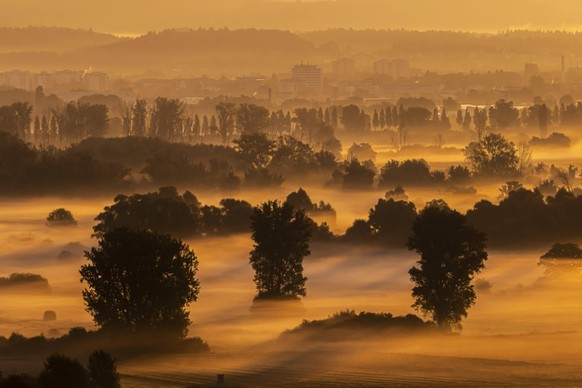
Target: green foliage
<point x="140" y="282"/>
<point x="281" y="240"/>
<point x="451" y="253"/>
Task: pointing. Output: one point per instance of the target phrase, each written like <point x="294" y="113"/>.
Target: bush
<point x="554" y="140"/>
<point x="61" y="217"/>
<point x="61" y="371"/>
<point x="347" y="325"/>
<point x="414" y="172"/>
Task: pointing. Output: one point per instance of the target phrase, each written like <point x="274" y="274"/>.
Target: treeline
<point x="47" y="122"/>
<point x="254" y="160"/>
<point x="521" y="218"/>
<point x="168" y="212"/>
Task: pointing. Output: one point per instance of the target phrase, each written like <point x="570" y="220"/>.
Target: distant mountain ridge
<point x="56" y="39"/>
<point x="216" y="52"/>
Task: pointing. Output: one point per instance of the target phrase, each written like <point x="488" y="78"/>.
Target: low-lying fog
<point x="521" y="314"/>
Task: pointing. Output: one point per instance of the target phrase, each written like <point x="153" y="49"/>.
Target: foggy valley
<point x="290" y="193"/>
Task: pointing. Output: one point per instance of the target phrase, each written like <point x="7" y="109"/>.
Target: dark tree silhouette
<point x="392" y="221"/>
<point x="563" y="251"/>
<point x="503" y="114"/>
<point x="354" y="119"/>
<point x="140" y="282"/>
<point x="362" y="151"/>
<point x="300" y="200"/>
<point x="356" y="175"/>
<point x="255" y="150"/>
<point x="103" y="370"/>
<point x="166" y="117"/>
<point x="61" y="371"/>
<point x="252" y="118"/>
<point x="61" y="217"/>
<point x="281" y="235"/>
<point x="139" y="118"/>
<point x="225" y="111"/>
<point x="164" y="211"/>
<point x="493" y="156"/>
<point x="451" y="253"/>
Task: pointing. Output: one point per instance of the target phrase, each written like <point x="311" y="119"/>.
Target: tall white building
<point x="307" y="78"/>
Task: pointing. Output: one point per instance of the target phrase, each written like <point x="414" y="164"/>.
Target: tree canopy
<point x="140" y="282"/>
<point x="281" y="240"/>
<point x="451" y="253"/>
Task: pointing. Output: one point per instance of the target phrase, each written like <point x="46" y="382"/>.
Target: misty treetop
<point x="60" y="217"/>
<point x="183" y="215"/>
<point x="166" y="211"/>
<point x="563" y="251"/>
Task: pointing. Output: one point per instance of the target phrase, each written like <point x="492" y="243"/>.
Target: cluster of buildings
<point x="339" y="78"/>
<point x="58" y="80"/>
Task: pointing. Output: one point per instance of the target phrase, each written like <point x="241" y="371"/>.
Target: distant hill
<point x="206" y="51"/>
<point x="55" y="39"/>
<point x="216" y="52"/>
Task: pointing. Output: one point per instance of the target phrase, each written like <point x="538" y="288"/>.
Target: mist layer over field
<point x="522" y="312"/>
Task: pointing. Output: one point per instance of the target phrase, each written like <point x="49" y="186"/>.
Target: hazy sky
<point x="139" y="16"/>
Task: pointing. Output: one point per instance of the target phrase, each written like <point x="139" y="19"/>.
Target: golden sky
<point x="139" y="16"/>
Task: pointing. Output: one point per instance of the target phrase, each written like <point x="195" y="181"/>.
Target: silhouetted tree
<point x="494" y="156"/>
<point x="353" y="119"/>
<point x="459" y="175"/>
<point x="362" y="151"/>
<point x="356" y="175"/>
<point x="451" y="253"/>
<point x="16" y="118"/>
<point x="255" y="150"/>
<point x="61" y="371"/>
<point x="252" y="118"/>
<point x="563" y="251"/>
<point x="391" y="221"/>
<point x="139" y="118"/>
<point x="140" y="282"/>
<point x="163" y="212"/>
<point x="61" y="217"/>
<point x="281" y="240"/>
<point x="166" y="118"/>
<point x="225" y="111"/>
<point x="300" y="200"/>
<point x="413" y="172"/>
<point x="103" y="370"/>
<point x="503" y="115"/>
